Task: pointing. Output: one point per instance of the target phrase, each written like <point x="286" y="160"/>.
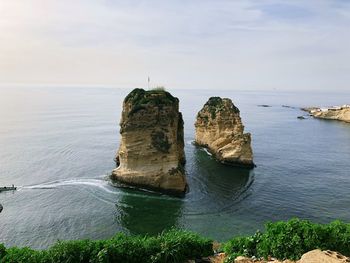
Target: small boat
<point x="1" y="207"/>
<point x="8" y="188"/>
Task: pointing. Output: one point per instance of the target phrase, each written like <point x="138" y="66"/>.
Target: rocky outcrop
<point x="219" y="128"/>
<point x="341" y="113"/>
<point x="314" y="256"/>
<point x="151" y="153"/>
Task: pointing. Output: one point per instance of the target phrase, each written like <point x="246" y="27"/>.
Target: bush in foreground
<point x="283" y="240"/>
<point x="291" y="239"/>
<point x="172" y="246"/>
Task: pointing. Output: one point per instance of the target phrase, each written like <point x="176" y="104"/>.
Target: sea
<point x="57" y="146"/>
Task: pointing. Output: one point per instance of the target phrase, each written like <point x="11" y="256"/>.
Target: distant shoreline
<point x="340" y="113"/>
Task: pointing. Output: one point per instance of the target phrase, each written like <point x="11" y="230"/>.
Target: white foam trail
<point x="207" y="151"/>
<point x="55" y="184"/>
<point x="100" y="183"/>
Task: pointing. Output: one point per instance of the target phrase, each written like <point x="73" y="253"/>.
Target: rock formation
<point x="340" y="113"/>
<point x="314" y="256"/>
<point x="219" y="128"/>
<point x="326" y="256"/>
<point x="151" y="153"/>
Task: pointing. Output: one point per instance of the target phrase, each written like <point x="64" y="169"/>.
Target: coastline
<point x="339" y="113"/>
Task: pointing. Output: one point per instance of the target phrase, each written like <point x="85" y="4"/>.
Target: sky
<point x="188" y="44"/>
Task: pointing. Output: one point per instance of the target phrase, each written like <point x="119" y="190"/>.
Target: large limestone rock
<point x="151" y="153"/>
<point x="219" y="128"/>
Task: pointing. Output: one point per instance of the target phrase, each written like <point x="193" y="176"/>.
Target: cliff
<point x="335" y="113"/>
<point x="219" y="128"/>
<point x="151" y="153"/>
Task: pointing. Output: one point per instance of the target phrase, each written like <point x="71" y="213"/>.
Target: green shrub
<point x="282" y="240"/>
<point x="171" y="246"/>
<point x="291" y="239"/>
<point x="338" y="237"/>
<point x="73" y="251"/>
<point x="178" y="246"/>
<point x="22" y="255"/>
<point x="124" y="248"/>
<point x="242" y="246"/>
<point x="2" y="251"/>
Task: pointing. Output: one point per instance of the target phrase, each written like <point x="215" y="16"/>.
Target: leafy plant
<point x="171" y="246"/>
<point x="291" y="239"/>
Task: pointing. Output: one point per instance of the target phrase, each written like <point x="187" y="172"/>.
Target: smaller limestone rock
<point x="242" y="259"/>
<point x="318" y="256"/>
<point x="219" y="128"/>
<point x="314" y="256"/>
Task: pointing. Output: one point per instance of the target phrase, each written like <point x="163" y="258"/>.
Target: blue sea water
<point x="57" y="145"/>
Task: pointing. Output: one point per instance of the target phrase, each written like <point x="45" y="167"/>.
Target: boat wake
<point x="207" y="152"/>
<point x="73" y="182"/>
<point x="101" y="183"/>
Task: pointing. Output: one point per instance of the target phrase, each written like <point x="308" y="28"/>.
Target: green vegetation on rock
<point x="139" y="98"/>
<point x="291" y="239"/>
<point x="214" y="105"/>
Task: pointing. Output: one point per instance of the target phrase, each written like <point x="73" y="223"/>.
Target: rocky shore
<point x="340" y="113"/>
<point x="219" y="128"/>
<point x="151" y="153"/>
<point x="314" y="256"/>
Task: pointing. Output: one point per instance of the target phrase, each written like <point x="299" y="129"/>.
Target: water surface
<point x="58" y="144"/>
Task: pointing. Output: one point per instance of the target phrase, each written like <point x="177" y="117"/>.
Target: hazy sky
<point x="248" y="44"/>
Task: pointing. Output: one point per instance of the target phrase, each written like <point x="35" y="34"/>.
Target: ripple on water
<point x="214" y="187"/>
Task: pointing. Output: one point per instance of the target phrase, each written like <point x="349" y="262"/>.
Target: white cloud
<point x="182" y="44"/>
